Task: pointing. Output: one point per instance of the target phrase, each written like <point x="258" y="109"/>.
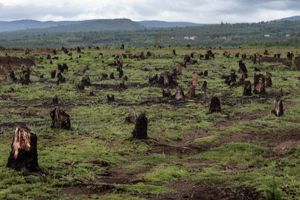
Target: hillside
<point x="133" y="34"/>
<point x="164" y="24"/>
<point x="6" y="26"/>
<point x="294" y="18"/>
<point x="70" y="26"/>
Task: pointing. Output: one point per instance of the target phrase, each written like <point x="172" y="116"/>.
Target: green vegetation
<point x="243" y="146"/>
<point x="113" y="34"/>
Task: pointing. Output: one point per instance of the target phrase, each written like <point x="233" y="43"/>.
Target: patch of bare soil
<point x="11" y="63"/>
<point x="183" y="146"/>
<point x="184" y="190"/>
<point x="103" y="86"/>
<point x="239" y="137"/>
<point x="106" y="182"/>
<point x="281" y="144"/>
<point x="88" y="190"/>
<point x="286" y="147"/>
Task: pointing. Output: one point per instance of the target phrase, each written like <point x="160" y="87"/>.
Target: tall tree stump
<point x="247" y="88"/>
<point x="278" y="107"/>
<point x="141" y="126"/>
<point x="23" y="151"/>
<point x="215" y="105"/>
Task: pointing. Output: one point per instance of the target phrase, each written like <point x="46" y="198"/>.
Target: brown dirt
<point x="184" y="145"/>
<point x="184" y="190"/>
<point x="11" y="63"/>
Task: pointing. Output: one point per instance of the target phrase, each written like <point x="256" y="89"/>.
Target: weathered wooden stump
<point x="112" y="76"/>
<point x="141" y="126"/>
<point x="131" y="118"/>
<point x="60" y="119"/>
<point x="268" y="79"/>
<point x="25" y="76"/>
<point x="55" y="100"/>
<point x="174" y="52"/>
<point x="178" y="69"/>
<point x="278" y="107"/>
<point x="194" y="79"/>
<point x="86" y="81"/>
<point x="60" y="78"/>
<point x="23" y="151"/>
<point x="215" y="105"/>
<point x="191" y="91"/>
<point x="110" y="98"/>
<point x="231" y="79"/>
<point x="259" y="84"/>
<point x="166" y="93"/>
<point x="247" y="88"/>
<point x="204" y="86"/>
<point x="13" y="77"/>
<point x="242" y="67"/>
<point x="179" y="95"/>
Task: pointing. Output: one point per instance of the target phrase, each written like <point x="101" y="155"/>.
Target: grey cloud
<point x="202" y="11"/>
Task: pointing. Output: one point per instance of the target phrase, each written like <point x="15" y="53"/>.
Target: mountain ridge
<point x="99" y="25"/>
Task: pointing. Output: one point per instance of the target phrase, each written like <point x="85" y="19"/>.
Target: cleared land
<point x="244" y="152"/>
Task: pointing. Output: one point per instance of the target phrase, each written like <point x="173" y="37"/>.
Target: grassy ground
<point x="190" y="154"/>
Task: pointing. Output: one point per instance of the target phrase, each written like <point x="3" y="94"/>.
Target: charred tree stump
<point x="60" y="78"/>
<point x="25" y="77"/>
<point x="268" y="79"/>
<point x="247" y="89"/>
<point x="166" y="93"/>
<point x="215" y="105"/>
<point x="86" y="81"/>
<point x="23" y="151"/>
<point x="55" y="100"/>
<point x="110" y="98"/>
<point x="204" y="86"/>
<point x="60" y="119"/>
<point x="13" y="77"/>
<point x="141" y="126"/>
<point x="278" y="107"/>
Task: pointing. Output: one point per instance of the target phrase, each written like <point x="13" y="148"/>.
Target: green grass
<point x="101" y="141"/>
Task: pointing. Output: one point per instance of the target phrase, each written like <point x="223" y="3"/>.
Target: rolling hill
<point x="70" y="26"/>
<point x="164" y="24"/>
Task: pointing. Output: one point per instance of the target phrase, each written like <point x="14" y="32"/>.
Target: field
<point x="242" y="152"/>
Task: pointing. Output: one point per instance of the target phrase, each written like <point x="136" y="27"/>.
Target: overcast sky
<point x="201" y="11"/>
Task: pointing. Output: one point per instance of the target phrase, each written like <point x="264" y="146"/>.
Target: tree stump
<point x="204" y="86"/>
<point x="259" y="84"/>
<point x="278" y="107"/>
<point x="191" y="91"/>
<point x="166" y="93"/>
<point x="179" y="95"/>
<point x="23" y="151"/>
<point x="60" y="119"/>
<point x="131" y="118"/>
<point x="194" y="79"/>
<point x="141" y="126"/>
<point x="55" y="100"/>
<point x="86" y="81"/>
<point x="268" y="79"/>
<point x="13" y="77"/>
<point x="25" y="76"/>
<point x="242" y="68"/>
<point x="60" y="78"/>
<point x="247" y="88"/>
<point x="215" y="105"/>
<point x="110" y="98"/>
